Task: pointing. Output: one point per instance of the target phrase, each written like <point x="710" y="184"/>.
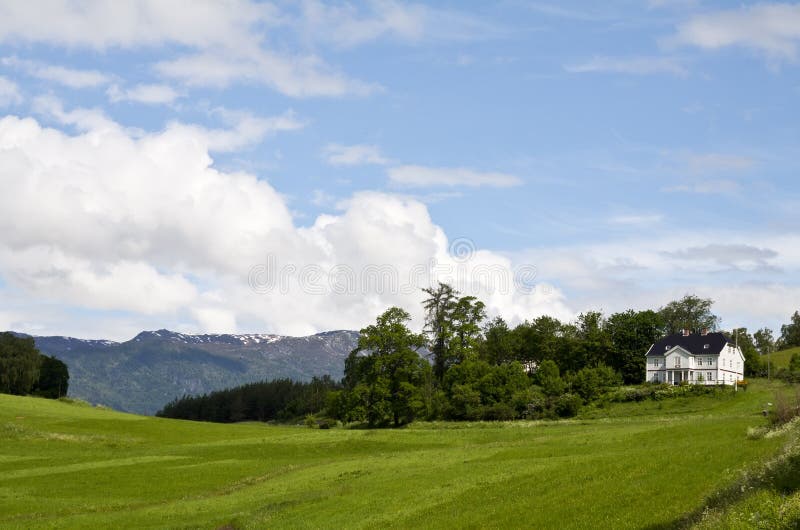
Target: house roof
<point x="694" y="344"/>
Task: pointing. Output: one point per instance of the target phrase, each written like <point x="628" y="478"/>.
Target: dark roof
<point x="694" y="343"/>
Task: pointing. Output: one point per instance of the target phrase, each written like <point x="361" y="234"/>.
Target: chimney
<point x="686" y="332"/>
<point x="704" y="332"/>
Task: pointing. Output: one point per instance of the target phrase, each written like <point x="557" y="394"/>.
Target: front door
<point x="677" y="377"/>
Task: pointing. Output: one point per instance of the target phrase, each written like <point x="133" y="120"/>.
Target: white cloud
<point x="630" y="65"/>
<point x="323" y="198"/>
<point x="142" y="223"/>
<point x="296" y="76"/>
<point x="727" y="255"/>
<point x="422" y="176"/>
<point x="353" y="155"/>
<point x="351" y="24"/>
<point x="102" y="25"/>
<point x="9" y="93"/>
<point x="246" y="130"/>
<point x="769" y="28"/>
<point x="744" y="272"/>
<point x="69" y="77"/>
<point x="149" y="94"/>
<point x="225" y="42"/>
<point x="81" y="119"/>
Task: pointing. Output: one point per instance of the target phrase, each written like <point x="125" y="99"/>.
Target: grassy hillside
<point x="780" y="359"/>
<point x="67" y="465"/>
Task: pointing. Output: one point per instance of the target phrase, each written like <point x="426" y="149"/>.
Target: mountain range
<point x="143" y="374"/>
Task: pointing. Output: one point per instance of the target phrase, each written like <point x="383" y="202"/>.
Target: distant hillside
<point x="144" y="373"/>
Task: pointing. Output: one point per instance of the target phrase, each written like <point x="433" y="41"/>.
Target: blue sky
<point x="629" y="152"/>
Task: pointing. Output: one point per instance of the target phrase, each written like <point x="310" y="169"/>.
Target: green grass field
<point x="631" y="465"/>
<point x="780" y="359"/>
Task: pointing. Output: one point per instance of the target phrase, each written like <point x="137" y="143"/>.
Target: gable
<point x="677" y="351"/>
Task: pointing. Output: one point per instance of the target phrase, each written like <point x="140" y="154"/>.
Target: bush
<point x="786" y="409"/>
<point x="568" y="405"/>
<point x="498" y="412"/>
<point x="589" y="383"/>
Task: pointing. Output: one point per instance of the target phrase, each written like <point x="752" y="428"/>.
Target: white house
<point x="699" y="358"/>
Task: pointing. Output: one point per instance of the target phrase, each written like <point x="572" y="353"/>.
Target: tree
<point x="594" y="340"/>
<point x="453" y="325"/>
<point x="753" y="364"/>
<point x="690" y="312"/>
<point x="19" y="364"/>
<point x="590" y="382"/>
<point x="467" y="315"/>
<point x="536" y="341"/>
<point x="790" y="333"/>
<point x="476" y="389"/>
<point x="632" y="334"/>
<point x="548" y="377"/>
<point x="498" y="345"/>
<point x="387" y="379"/>
<point x="764" y="341"/>
<point x="765" y="344"/>
<point x="438" y="324"/>
<point x="53" y="379"/>
<point x="794" y="363"/>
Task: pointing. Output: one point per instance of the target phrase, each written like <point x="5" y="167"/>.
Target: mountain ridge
<point x="142" y="374"/>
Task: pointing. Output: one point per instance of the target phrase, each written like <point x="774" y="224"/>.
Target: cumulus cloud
<point x="353" y="155"/>
<point x="9" y="93"/>
<point x="770" y="28"/>
<point x="630" y="65"/>
<point x="143" y="223"/>
<point x="424" y="176"/>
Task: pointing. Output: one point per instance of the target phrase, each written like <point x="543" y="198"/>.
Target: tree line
<point x="24" y="370"/>
<point x="464" y="366"/>
<point x="281" y="399"/>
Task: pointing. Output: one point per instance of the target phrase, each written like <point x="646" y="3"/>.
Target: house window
<point x="666" y="348"/>
<point x="677" y="362"/>
<point x="700" y="361"/>
<point x="708" y="376"/>
<point x="709" y="360"/>
<point x="706" y="346"/>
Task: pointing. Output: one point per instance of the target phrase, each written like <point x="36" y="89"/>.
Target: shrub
<point x="786" y="409"/>
<point x="498" y="412"/>
<point x="568" y="405"/>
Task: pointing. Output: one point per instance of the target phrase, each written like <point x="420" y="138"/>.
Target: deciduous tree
<point x="387" y="380"/>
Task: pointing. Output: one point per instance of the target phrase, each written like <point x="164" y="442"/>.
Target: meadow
<point x="780" y="359"/>
<point x="628" y="465"/>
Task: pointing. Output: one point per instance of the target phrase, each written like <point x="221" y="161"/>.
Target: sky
<point x="296" y="167"/>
